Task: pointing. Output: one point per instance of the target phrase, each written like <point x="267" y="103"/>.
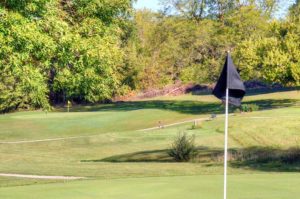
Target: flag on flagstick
<point x="230" y="79"/>
<point x="231" y="90"/>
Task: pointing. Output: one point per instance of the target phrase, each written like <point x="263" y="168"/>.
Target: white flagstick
<point x="226" y="144"/>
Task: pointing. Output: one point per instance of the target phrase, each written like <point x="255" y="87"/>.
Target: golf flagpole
<point x="226" y="143"/>
<point x="231" y="89"/>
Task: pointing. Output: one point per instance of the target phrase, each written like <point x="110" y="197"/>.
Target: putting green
<point x="255" y="186"/>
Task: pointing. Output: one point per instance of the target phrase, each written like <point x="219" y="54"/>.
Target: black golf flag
<point x="230" y="79"/>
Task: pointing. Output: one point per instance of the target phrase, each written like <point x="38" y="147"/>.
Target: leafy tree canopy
<point x="88" y="51"/>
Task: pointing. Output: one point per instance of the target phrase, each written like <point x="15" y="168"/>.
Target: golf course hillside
<point x="122" y="150"/>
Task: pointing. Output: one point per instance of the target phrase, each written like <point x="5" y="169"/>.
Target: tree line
<point x="89" y="51"/>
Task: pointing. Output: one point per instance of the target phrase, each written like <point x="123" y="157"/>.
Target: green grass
<point x="265" y="186"/>
<point x="86" y="156"/>
<point x="16" y="182"/>
<point x="125" y="161"/>
<point x="38" y="125"/>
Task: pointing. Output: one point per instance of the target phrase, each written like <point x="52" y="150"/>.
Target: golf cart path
<point x="174" y="124"/>
<point x="40" y="177"/>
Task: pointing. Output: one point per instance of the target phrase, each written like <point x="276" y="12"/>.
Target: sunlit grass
<point x="112" y="148"/>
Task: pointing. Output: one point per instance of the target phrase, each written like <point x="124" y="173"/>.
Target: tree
<point x="192" y="9"/>
<point x="275" y="58"/>
<point x="58" y="50"/>
<point x="89" y="51"/>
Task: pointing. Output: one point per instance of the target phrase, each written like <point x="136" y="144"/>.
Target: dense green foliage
<point x="89" y="51"/>
<point x="58" y="50"/>
<point x="190" y="45"/>
<point x="249" y="107"/>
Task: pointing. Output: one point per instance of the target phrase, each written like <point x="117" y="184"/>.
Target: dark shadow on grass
<point x="141" y="156"/>
<point x="191" y="107"/>
<point x="253" y="92"/>
<point x="203" y="153"/>
<point x="273" y="104"/>
<point x="253" y="158"/>
<point x="188" y="107"/>
<point x="267" y="159"/>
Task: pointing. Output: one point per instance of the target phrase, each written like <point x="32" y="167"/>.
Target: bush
<point x="249" y="107"/>
<point x="183" y="148"/>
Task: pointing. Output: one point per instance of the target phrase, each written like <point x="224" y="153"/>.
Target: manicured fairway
<point x="39" y="125"/>
<point x="255" y="186"/>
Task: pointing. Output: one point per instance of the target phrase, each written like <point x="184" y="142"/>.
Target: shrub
<point x="183" y="148"/>
<point x="249" y="107"/>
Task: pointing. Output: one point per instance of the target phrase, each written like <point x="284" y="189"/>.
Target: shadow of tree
<point x="203" y="153"/>
<point x="272" y="104"/>
<point x="251" y="92"/>
<point x="188" y="107"/>
<point x="254" y="158"/>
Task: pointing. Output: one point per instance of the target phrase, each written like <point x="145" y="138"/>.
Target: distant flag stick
<point x="68" y="105"/>
<point x="230" y="89"/>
